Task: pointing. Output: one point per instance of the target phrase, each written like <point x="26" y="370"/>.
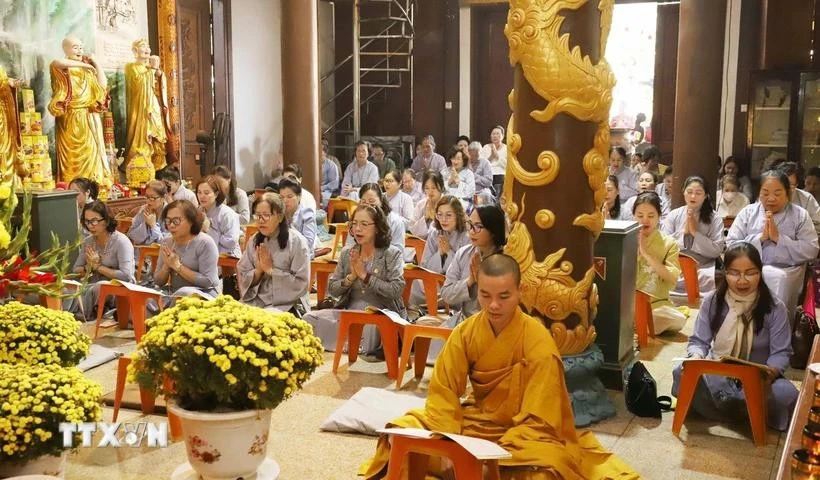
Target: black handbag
<point x="805" y="328"/>
<point x="641" y="394"/>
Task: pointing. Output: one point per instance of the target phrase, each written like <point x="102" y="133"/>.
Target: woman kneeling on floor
<point x="742" y="319"/>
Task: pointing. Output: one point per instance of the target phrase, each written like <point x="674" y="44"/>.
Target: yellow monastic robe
<point x="146" y="132"/>
<point x="519" y="401"/>
<point x="76" y="102"/>
<point x="9" y="131"/>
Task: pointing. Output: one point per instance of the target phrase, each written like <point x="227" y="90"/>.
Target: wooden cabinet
<point x="784" y="119"/>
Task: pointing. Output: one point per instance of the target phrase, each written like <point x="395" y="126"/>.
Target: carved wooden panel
<point x="195" y="67"/>
<point x="126" y="207"/>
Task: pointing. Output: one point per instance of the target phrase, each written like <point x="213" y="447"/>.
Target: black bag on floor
<point x="641" y="394"/>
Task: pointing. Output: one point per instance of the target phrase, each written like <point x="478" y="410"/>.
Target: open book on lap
<point x="479" y="448"/>
<point x="725" y="359"/>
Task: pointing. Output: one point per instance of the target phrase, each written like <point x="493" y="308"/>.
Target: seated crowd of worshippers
<point x="451" y="203"/>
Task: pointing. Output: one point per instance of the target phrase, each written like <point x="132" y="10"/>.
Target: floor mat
<point x="97" y="356"/>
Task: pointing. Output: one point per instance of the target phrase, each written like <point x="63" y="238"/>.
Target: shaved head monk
<point x="518" y="400"/>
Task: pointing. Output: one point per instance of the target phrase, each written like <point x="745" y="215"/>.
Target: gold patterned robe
<point x="519" y="401"/>
<point x="9" y="131"/>
<point x="76" y="102"/>
<point x="146" y="131"/>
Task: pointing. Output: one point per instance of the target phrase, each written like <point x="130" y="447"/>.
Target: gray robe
<point x="200" y="255"/>
<point x="118" y="254"/>
<point x="784" y="262"/>
<point x="721" y="398"/>
<point x="304" y="222"/>
<point x="483" y="172"/>
<point x="705" y="245"/>
<point x="627" y="183"/>
<point x="431" y="260"/>
<point x="225" y="231"/>
<point x="383" y="291"/>
<point x="287" y="285"/>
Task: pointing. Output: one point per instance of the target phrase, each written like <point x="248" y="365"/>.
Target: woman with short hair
<point x="300" y="218"/>
<point x="221" y="223"/>
<point x="105" y="254"/>
<point x="370" y="273"/>
<point x="146" y="229"/>
<point x="188" y="258"/>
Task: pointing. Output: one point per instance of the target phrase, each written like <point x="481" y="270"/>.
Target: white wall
<point x="257" y="89"/>
<point x="464" y="69"/>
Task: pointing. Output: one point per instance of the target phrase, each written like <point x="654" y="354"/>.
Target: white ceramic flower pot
<point x="223" y="446"/>
<point x="50" y="465"/>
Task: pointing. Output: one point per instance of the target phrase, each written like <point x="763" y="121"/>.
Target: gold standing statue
<point x="10" y="161"/>
<point x="558" y="138"/>
<point x="78" y="97"/>
<point x="146" y="129"/>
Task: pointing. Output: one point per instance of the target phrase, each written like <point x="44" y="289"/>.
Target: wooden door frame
<point x="222" y="64"/>
<point x="481" y="9"/>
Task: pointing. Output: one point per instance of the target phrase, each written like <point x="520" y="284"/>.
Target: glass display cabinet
<point x="784" y="119"/>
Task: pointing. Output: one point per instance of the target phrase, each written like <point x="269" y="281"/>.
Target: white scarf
<point x="731" y="334"/>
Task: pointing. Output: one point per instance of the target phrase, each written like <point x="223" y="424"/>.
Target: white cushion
<point x="370" y="409"/>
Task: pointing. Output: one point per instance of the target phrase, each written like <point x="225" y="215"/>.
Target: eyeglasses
<point x="175" y="221"/>
<point x="152" y="198"/>
<point x="262" y="217"/>
<point x="353" y="224"/>
<point x="475" y="227"/>
<point x="93" y="221"/>
<point x="445" y="216"/>
<point x="735" y="275"/>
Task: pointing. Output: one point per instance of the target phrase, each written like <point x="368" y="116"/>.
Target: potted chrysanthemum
<point x="223" y="366"/>
<point x="37" y="335"/>
<point x="34" y="400"/>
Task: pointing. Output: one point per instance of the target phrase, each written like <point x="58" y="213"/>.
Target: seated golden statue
<point x="78" y="97"/>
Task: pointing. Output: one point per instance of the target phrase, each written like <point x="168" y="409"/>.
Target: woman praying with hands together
<point x="146" y="229"/>
<point x="369" y="273"/>
<point x="658" y="266"/>
<point x="274" y="273"/>
<point x="782" y="232"/>
<point x="105" y="254"/>
<point x="221" y="223"/>
<point x="188" y="259"/>
<point x="460" y="181"/>
<point x="698" y="231"/>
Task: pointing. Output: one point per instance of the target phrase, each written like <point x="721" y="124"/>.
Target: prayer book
<point x="413" y="266"/>
<point x="389" y="313"/>
<point x="725" y="359"/>
<point x="135" y="287"/>
<point x="479" y="448"/>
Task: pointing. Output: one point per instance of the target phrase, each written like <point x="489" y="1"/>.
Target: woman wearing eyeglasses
<point x="742" y="319"/>
<point x="146" y="229"/>
<point x="105" y="254"/>
<point x="221" y="223"/>
<point x="300" y="217"/>
<point x="188" y="259"/>
<point x="486" y="230"/>
<point x="369" y="273"/>
<point x="371" y="194"/>
<point x="449" y="235"/>
<point x="274" y="272"/>
<point x="782" y="232"/>
<point x="433" y="186"/>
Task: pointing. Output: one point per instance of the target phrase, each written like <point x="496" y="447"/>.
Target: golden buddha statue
<point x="146" y="130"/>
<point x="78" y="97"/>
<point x="10" y="161"/>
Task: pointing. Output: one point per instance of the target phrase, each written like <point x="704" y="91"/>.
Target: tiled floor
<point x="704" y="450"/>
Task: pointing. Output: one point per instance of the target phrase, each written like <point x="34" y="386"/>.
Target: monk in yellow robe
<point x="518" y="400"/>
<point x="78" y="97"/>
<point x="10" y="161"/>
<point x="146" y="131"/>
